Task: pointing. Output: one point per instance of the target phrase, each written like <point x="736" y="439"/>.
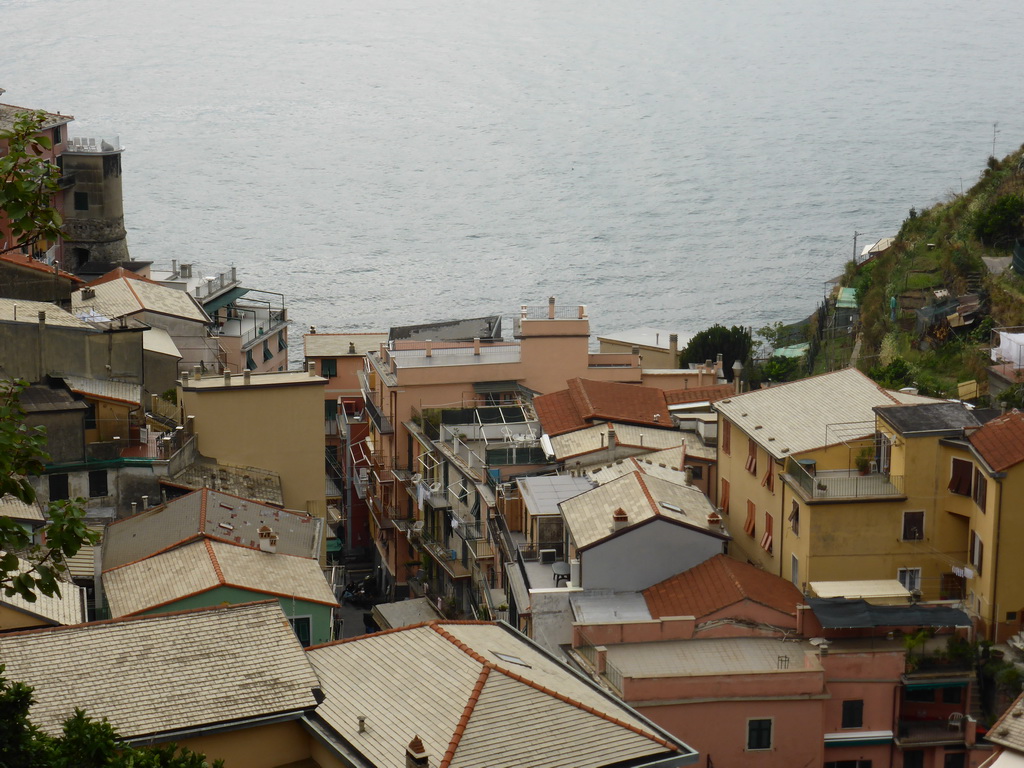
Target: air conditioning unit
<point x="548" y="556"/>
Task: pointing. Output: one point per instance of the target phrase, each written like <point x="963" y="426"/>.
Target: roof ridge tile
<point x="467" y="712"/>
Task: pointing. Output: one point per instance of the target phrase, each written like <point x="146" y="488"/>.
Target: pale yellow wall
<point x="12" y="619"/>
<point x="277" y="428"/>
<point x="266" y="746"/>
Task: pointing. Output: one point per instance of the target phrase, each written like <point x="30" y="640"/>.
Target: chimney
<point x="227" y="378"/>
<point x="312" y="368"/>
<point x="619" y="519"/>
<point x="611" y="437"/>
<point x="429" y="348"/>
<point x="135" y="507"/>
<point x="247" y="377"/>
<point x="351" y="347"/>
<point x="476" y="345"/>
<point x="197" y="372"/>
<point x="184" y="377"/>
<point x="737" y="376"/>
<point x="673" y="348"/>
<point x="145" y="502"/>
<point x="268" y="539"/>
<point x="362" y="723"/>
<point x="551" y="308"/>
<point x="42" y="320"/>
<point x="714" y="520"/>
<point x="416" y="754"/>
<point x="688" y="475"/>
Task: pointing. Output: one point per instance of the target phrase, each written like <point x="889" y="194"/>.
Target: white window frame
<point x="909" y="578"/>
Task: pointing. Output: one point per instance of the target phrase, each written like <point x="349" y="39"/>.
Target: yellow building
<point x="272" y="421"/>
<point x="815" y="429"/>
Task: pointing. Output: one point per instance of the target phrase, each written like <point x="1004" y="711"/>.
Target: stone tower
<point x="93" y="211"/>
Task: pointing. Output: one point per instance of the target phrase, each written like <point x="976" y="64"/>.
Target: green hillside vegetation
<point x="943" y="248"/>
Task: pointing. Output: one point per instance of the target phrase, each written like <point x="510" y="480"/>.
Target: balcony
<point x="380" y="421"/>
<point x="836" y="484"/>
<point x="444" y="556"/>
<point x="921" y="733"/>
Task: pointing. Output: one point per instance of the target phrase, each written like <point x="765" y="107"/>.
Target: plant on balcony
<point x="863" y="460"/>
<point x="913" y="642"/>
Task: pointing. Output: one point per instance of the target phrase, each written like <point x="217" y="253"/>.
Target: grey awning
<point x="841" y="613"/>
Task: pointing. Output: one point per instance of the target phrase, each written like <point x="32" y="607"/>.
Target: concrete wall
<point x="551" y="617"/>
<point x="32" y="352"/>
<point x="274" y="427"/>
<point x="265" y="746"/>
<point x="644" y="556"/>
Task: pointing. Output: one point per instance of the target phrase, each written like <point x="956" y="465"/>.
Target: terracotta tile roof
<point x="1001" y="441"/>
<point x="116" y="274"/>
<point x="699" y="394"/>
<point x="586" y="401"/>
<point x="24" y="260"/>
<point x="716" y="584"/>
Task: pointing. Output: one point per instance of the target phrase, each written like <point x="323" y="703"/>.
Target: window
<point x="853" y="713"/>
<point x="977" y="551"/>
<point x="952" y="695"/>
<point x="909" y="578"/>
<point x="766" y="537"/>
<point x="303" y="628"/>
<point x="954" y="760"/>
<point x="328" y="368"/>
<point x="56" y="135"/>
<point x="750" y="523"/>
<point x="851" y="764"/>
<point x="98" y="483"/>
<point x="249" y="362"/>
<point x="751" y="464"/>
<point x="913" y="526"/>
<point x="919" y="695"/>
<point x="267" y="354"/>
<point x="980" y="489"/>
<point x="759" y="734"/>
<point x="90" y="416"/>
<point x="960" y="479"/>
<point x="58" y="487"/>
<point x="794" y="571"/>
<point x="330" y="409"/>
<point x="723" y="500"/>
<point x="769" y="478"/>
<point x="81" y="201"/>
<point x="794" y="518"/>
<point x="913" y="758"/>
<point x="282" y="343"/>
<point x="726" y="436"/>
<point x="697" y="471"/>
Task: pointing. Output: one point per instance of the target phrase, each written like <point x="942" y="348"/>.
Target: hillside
<point x="929" y="304"/>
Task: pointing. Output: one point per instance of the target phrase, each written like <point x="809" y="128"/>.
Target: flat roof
<point x="274" y="379"/>
<point x="609" y="607"/>
<point x="929" y="418"/>
<point x="705" y="658"/>
<point x="337" y="344"/>
<point x="656" y="338"/>
<point x="866" y="589"/>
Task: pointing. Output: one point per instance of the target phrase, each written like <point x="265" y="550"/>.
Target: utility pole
<point x="855" y="235"/>
<point x="994" y="132"/>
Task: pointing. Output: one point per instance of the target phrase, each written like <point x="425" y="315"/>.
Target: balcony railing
<point x="844" y="483"/>
<point x="278" y="318"/>
<point x="922" y="732"/>
<point x="380" y="421"/>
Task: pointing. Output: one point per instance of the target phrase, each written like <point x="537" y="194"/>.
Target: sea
<point x="668" y="163"/>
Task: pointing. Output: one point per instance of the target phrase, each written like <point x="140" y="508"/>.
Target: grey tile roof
<point x="589" y="516"/>
<point x="594" y="439"/>
<point x="541" y="495"/>
<point x="205" y="565"/>
<point x="446" y="683"/>
<point x="125" y="296"/>
<point x="105" y="389"/>
<point x="15" y="508"/>
<point x="213" y="514"/>
<point x="21" y="311"/>
<point x="8" y="112"/>
<point x="795" y="417"/>
<point x="698" y="658"/>
<point x="1008" y="730"/>
<point x="164" y="673"/>
<point x="66" y="608"/>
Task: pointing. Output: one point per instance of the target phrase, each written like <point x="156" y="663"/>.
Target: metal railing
<point x="278" y="318"/>
<point x="843" y="483"/>
<point x="380" y="421"/>
<point x="217" y="284"/>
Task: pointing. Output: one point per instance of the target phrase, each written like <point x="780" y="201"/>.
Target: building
<point x="210" y="572"/>
<point x="23" y="277"/>
<point x="442" y="693"/>
<point x="233" y="683"/>
<point x="66" y="607"/>
<point x="823" y="425"/>
<point x="657" y="348"/>
<point x="736" y="662"/>
<point x="125" y="294"/>
<point x="93" y="207"/>
<point x="269" y="421"/>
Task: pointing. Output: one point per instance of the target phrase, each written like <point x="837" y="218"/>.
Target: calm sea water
<point x="666" y="162"/>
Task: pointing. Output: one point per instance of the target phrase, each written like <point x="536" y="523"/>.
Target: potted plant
<point x="863" y="460"/>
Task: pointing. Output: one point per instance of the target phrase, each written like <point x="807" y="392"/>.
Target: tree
<point x="84" y="742"/>
<point x="732" y="343"/>
<point x="28" y="182"/>
<point x="22" y="454"/>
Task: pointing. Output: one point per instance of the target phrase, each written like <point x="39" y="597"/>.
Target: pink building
<point x="734" y="661"/>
